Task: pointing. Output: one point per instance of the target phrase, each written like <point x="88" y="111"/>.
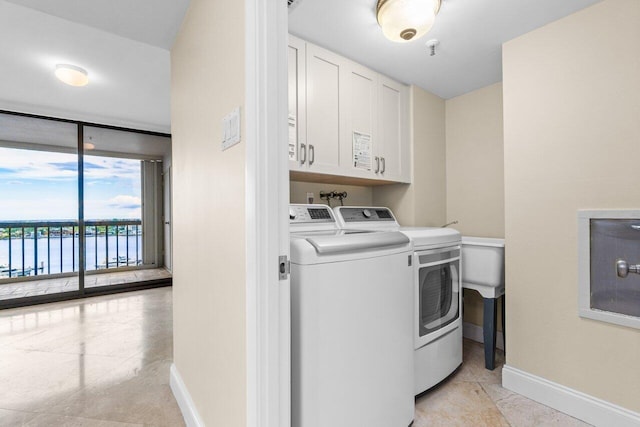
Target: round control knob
<point x="366" y="213"/>
<point x="292" y="214"/>
<point x="622" y="268"/>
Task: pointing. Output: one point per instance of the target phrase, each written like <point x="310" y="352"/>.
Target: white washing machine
<point x="351" y="340"/>
<point x="437" y="308"/>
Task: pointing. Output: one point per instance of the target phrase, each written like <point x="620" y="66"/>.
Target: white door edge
<point x="267" y="198"/>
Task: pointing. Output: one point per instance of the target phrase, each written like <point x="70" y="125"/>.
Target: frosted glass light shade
<point x="406" y="20"/>
<point x="72" y="75"/>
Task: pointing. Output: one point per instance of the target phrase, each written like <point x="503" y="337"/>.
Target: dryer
<point x="437" y="286"/>
<point x="351" y="343"/>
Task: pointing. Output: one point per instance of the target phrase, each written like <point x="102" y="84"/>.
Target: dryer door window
<point x="438" y="293"/>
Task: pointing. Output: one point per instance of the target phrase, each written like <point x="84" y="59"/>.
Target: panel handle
<point x="623" y="268"/>
<point x="377" y="164"/>
<point x="303" y="150"/>
<point x="312" y="154"/>
<point x="384" y="165"/>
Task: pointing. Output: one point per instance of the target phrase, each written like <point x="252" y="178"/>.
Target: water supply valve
<point x="334" y="195"/>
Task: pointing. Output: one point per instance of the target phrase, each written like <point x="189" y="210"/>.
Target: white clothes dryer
<point x="437" y="308"/>
<point x="351" y="343"/>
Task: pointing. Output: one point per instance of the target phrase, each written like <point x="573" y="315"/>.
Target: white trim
<point x="572" y="402"/>
<point x="266" y="202"/>
<point x="584" y="266"/>
<point x="474" y="332"/>
<point x="185" y="403"/>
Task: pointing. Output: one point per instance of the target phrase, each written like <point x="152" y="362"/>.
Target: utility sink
<point x="483" y="271"/>
<point x="483" y="265"/>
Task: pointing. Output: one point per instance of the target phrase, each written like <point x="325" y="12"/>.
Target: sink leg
<point x="504" y="333"/>
<point x="489" y="332"/>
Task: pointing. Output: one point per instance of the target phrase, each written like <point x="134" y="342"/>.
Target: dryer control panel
<point x="305" y="214"/>
<point x="365" y="214"/>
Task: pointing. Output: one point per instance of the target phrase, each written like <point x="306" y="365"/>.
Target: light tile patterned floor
<point x="473" y="396"/>
<point x="101" y="361"/>
<point x="67" y="284"/>
<point x="104" y="362"/>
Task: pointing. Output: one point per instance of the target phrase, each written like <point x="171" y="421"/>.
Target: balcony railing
<point x="35" y="248"/>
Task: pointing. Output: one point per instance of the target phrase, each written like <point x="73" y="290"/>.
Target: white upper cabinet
<point x="325" y="77"/>
<point x="297" y="103"/>
<point x="393" y="148"/>
<point x="360" y="136"/>
<point x="345" y="120"/>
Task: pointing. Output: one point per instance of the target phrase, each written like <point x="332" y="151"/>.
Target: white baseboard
<point x="180" y="392"/>
<point x="577" y="404"/>
<point x="474" y="332"/>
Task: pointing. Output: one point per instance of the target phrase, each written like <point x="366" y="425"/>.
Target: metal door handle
<point x="623" y="268"/>
<point x="377" y="164"/>
<point x="384" y="165"/>
<point x="303" y="150"/>
<point x="312" y="154"/>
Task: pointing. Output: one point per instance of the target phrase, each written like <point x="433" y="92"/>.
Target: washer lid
<point x="428" y="236"/>
<point x="356" y="242"/>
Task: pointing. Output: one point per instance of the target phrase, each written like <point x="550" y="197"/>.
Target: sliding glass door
<point x="123" y="207"/>
<point x="39" y="227"/>
<point x="113" y="218"/>
<point x="81" y="209"/>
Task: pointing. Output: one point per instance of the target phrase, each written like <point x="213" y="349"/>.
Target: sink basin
<point x="483" y="265"/>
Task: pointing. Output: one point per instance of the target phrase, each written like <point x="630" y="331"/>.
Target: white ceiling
<point x="129" y="79"/>
<point x="155" y="22"/>
<point x="124" y="45"/>
<point x="471" y="33"/>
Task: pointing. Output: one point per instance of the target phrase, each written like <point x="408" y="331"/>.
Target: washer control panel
<point x="304" y="214"/>
<point x="359" y="214"/>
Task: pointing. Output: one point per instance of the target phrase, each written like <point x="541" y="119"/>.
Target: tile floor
<point x="101" y="361"/>
<point x="104" y="362"/>
<point x="473" y="396"/>
<point x="25" y="288"/>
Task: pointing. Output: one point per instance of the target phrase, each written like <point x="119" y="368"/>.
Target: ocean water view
<point x="60" y="254"/>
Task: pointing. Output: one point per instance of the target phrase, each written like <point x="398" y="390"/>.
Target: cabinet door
<point x="359" y="139"/>
<point x="394" y="149"/>
<point x="324" y="119"/>
<point x="297" y="104"/>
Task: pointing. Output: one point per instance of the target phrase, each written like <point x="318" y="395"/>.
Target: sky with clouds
<point x="37" y="185"/>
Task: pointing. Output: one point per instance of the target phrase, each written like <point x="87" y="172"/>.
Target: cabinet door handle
<point x="377" y="164"/>
<point x="384" y="165"/>
<point x="312" y="154"/>
<point x="303" y="153"/>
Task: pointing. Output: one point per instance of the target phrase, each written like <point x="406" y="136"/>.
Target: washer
<point x="351" y="340"/>
<point x="437" y="318"/>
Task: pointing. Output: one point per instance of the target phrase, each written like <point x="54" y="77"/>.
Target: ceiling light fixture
<point x="72" y="74"/>
<point x="405" y="20"/>
<point x="89" y="145"/>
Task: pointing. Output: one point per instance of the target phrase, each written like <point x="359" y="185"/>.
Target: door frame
<point x="266" y="207"/>
<point x="167" y="208"/>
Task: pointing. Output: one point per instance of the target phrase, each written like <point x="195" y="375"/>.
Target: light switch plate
<point x="231" y="129"/>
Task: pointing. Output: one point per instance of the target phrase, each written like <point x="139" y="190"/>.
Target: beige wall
<point x="356" y="195"/>
<point x="209" y="212"/>
<point x="475" y="162"/>
<point x="572" y="132"/>
<point x="423" y="202"/>
<point x="475" y="172"/>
